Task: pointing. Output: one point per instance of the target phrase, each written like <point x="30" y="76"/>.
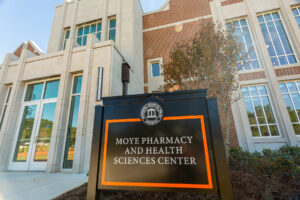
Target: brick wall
<point x="29" y="47"/>
<point x="179" y="10"/>
<point x="159" y="42"/>
<point x="288" y="71"/>
<point x="252" y="76"/>
<point x="229" y="2"/>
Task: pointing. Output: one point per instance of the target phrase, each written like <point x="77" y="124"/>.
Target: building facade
<point x="47" y="100"/>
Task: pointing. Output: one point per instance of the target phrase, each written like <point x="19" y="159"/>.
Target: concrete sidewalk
<point x="37" y="185"/>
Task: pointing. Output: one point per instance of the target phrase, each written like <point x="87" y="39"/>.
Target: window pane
<point x="34" y="92"/>
<point x="79" y="41"/>
<point x="292" y="86"/>
<point x="51" y="89"/>
<point x="93" y="28"/>
<point x="2" y="116"/>
<point x="259" y="111"/>
<point x="8" y="95"/>
<point x="155" y="70"/>
<point x="255" y="131"/>
<point x="284" y="38"/>
<point x="23" y="141"/>
<point x="245" y="92"/>
<point x="87" y="29"/>
<point x="112" y="34"/>
<point x="296" y="100"/>
<point x="296" y="128"/>
<point x="112" y="23"/>
<point x="283" y="88"/>
<point x="77" y="85"/>
<point x="264" y="131"/>
<point x="290" y="108"/>
<point x="44" y="136"/>
<point x="276" y="39"/>
<point x="98" y="36"/>
<point x="250" y="111"/>
<point x="71" y="133"/>
<point x="84" y="40"/>
<point x="268" y="110"/>
<point x="99" y="27"/>
<point x="253" y="91"/>
<point x="80" y="31"/>
<point x="274" y="131"/>
<point x="262" y="90"/>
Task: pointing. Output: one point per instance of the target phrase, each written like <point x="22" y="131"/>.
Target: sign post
<point x="168" y="142"/>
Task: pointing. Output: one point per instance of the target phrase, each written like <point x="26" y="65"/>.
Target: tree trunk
<point x="227" y="130"/>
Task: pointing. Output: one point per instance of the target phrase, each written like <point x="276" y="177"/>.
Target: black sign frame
<point x="219" y="181"/>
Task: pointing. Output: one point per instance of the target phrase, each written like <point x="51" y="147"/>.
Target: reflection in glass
<point x="260" y="114"/>
<point x="71" y="134"/>
<point x="44" y="134"/>
<point x="51" y="89"/>
<point x="23" y="141"/>
<point x="77" y="85"/>
<point x="34" y="92"/>
<point x="72" y="125"/>
<point x="281" y="52"/>
<point x="112" y="29"/>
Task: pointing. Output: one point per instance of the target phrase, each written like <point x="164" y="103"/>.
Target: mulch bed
<point x="246" y="186"/>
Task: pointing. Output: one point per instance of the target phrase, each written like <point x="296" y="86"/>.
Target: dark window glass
<point x="34" y="92"/>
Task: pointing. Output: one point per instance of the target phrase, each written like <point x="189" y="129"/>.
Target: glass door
<point x="42" y="138"/>
<point x="23" y="143"/>
<point x="33" y="138"/>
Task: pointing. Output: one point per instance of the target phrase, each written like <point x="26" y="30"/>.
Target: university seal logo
<point x="152" y="113"/>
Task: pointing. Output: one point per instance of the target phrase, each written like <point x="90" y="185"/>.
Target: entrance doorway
<point x="32" y="142"/>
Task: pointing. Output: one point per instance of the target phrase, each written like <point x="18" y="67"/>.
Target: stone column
<point x="56" y="150"/>
<point x="3" y="89"/>
<point x="83" y="106"/>
<point x="104" y="34"/>
<point x="10" y="126"/>
<point x="276" y="98"/>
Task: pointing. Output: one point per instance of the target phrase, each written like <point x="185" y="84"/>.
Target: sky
<point x="23" y="20"/>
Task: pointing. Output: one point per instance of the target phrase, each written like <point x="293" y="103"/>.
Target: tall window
<point x="5" y="107"/>
<point x="296" y="12"/>
<point x="291" y="95"/>
<point x="112" y="29"/>
<point x="241" y="31"/>
<point x="155" y="68"/>
<point x="67" y="36"/>
<point x="259" y="110"/>
<point x="72" y="124"/>
<point x="86" y="29"/>
<point x="277" y="41"/>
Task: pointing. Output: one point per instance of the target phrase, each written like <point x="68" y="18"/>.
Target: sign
<point x="163" y="142"/>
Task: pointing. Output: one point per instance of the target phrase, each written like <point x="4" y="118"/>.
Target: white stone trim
<point x="179" y="22"/>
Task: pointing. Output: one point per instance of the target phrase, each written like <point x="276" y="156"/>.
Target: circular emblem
<point x="152" y="113"/>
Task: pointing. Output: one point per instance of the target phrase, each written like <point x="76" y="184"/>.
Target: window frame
<point x="264" y="113"/>
<point x="159" y="66"/>
<point x="109" y="29"/>
<point x="289" y="93"/>
<point x="4" y="108"/>
<point x="65" y="37"/>
<point x="297" y="7"/>
<point x="245" y="43"/>
<point x="286" y="30"/>
<point x="67" y="124"/>
<point x="83" y="34"/>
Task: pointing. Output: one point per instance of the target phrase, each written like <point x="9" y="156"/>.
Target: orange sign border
<point x="163" y="185"/>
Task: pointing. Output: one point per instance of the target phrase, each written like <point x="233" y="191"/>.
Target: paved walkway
<point x="37" y="185"/>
